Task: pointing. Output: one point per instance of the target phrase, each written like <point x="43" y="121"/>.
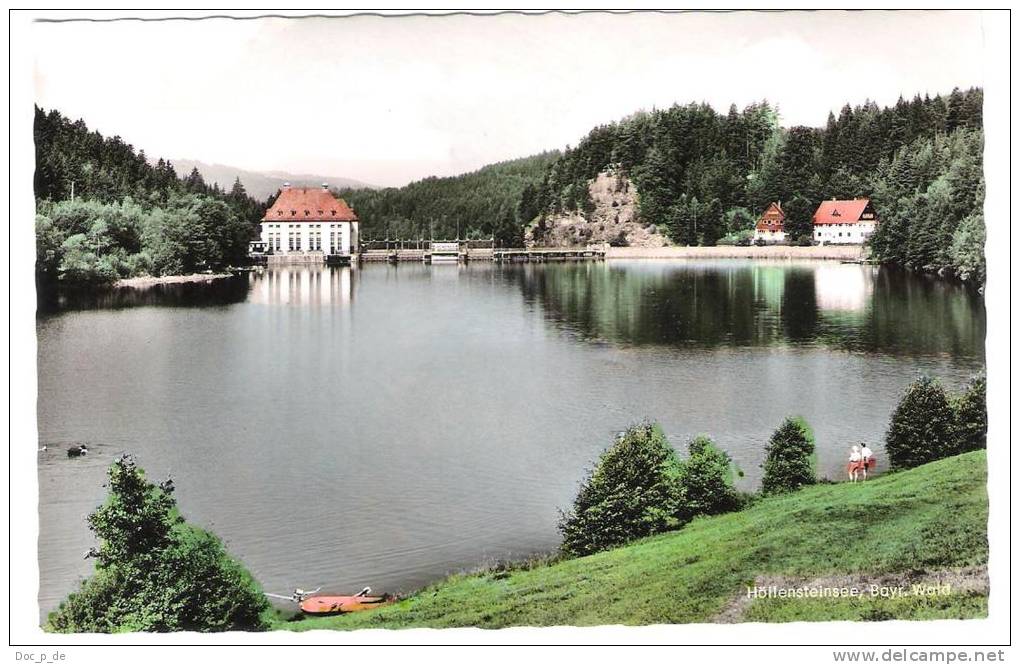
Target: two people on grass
<point x="861" y="459"/>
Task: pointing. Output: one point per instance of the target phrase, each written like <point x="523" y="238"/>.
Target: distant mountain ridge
<point x="260" y="184"/>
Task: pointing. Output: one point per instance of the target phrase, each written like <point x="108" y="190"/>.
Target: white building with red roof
<point x="844" y="222"/>
<point x="309" y="222"/>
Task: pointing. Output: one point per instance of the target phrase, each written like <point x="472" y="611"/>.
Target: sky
<point x="387" y="100"/>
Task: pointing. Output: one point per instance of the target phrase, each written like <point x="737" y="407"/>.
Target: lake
<point x="390" y="425"/>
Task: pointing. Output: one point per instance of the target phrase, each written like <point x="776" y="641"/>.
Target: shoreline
<point x="823" y="252"/>
<point x="144" y="282"/>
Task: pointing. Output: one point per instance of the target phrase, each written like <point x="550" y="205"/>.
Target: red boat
<point x="320" y="605"/>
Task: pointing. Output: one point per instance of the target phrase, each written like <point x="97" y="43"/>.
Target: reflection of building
<point x="844" y="222"/>
<point x="844" y="288"/>
<point x="770" y="225"/>
<point x="303" y="285"/>
<point x="309" y="222"/>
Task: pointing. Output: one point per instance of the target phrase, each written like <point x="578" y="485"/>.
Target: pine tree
<point x="789" y="458"/>
<point x="921" y="429"/>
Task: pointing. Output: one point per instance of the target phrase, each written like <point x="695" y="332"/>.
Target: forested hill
<point x="702" y="176"/>
<point x="127" y="217"/>
<point x="261" y="185"/>
<point x="479" y="204"/>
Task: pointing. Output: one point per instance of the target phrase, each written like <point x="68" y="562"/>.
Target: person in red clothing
<point x="855" y="465"/>
<point x="867" y="459"/>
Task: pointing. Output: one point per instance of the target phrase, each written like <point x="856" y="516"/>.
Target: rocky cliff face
<point x="614" y="220"/>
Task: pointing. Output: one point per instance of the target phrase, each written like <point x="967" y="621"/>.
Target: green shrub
<point x="971" y="415"/>
<point x="155" y="572"/>
<point x="789" y="458"/>
<point x="922" y="428"/>
<point x="737" y="238"/>
<point x="632" y="492"/>
<point x="707" y="480"/>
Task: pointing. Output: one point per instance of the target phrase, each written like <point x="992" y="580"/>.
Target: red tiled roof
<point x="772" y="219"/>
<point x="309" y="204"/>
<point x="840" y="212"/>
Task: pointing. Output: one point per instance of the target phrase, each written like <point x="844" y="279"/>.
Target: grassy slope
<point x="934" y="516"/>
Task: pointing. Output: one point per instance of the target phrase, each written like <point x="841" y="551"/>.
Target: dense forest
<point x="703" y="177"/>
<point x="480" y="204"/>
<point x="104" y="212"/>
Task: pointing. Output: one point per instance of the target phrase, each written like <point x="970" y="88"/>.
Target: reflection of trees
<point x="913" y="313"/>
<point x="756" y="304"/>
<point x="799" y="312"/>
<point x="685" y="305"/>
<point x="217" y="292"/>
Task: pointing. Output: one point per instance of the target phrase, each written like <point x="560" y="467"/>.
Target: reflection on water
<point x="315" y="286"/>
<point x="389" y="425"/>
<point x="747" y="304"/>
<point x="223" y="291"/>
<point x="843" y="288"/>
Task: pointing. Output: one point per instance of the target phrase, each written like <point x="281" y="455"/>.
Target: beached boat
<point x="320" y="605"/>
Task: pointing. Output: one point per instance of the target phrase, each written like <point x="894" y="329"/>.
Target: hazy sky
<point x="388" y="100"/>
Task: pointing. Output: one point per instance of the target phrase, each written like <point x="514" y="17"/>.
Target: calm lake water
<point x="389" y="425"/>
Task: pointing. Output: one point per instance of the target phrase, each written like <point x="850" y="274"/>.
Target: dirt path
<point x="142" y="282"/>
<point x="973" y="579"/>
<point x="830" y="252"/>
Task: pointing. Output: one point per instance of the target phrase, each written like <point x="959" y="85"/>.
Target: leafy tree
<point x="48" y="242"/>
<point x="921" y="429"/>
<point x="739" y="219"/>
<point x="706" y="480"/>
<point x="789" y="458"/>
<point x="971" y="414"/>
<point x="968" y="249"/>
<point x="154" y="572"/>
<point x="128" y="217"/>
<point x="632" y="492"/>
<point x="799" y="221"/>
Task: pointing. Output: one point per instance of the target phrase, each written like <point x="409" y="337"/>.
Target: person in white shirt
<point x="867" y="459"/>
<point x="855" y="464"/>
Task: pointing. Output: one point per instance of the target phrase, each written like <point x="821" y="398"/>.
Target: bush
<point x="632" y="492"/>
<point x="789" y="458"/>
<point x="971" y="416"/>
<point x="921" y="429"/>
<point x="155" y="572"/>
<point x="737" y="238"/>
<point x="707" y="480"/>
